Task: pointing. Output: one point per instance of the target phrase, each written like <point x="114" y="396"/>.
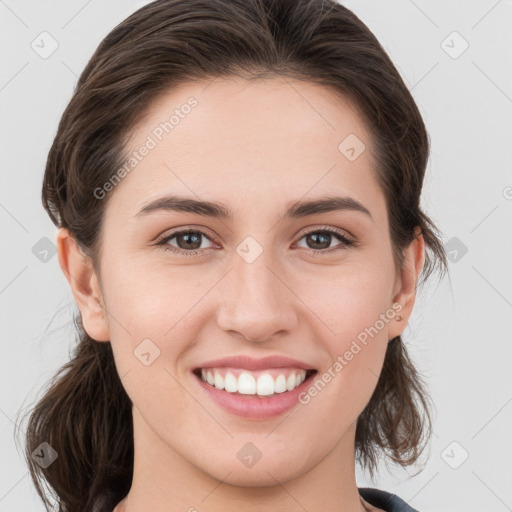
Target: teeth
<point x="265" y="385"/>
<point x="218" y="380"/>
<point x="280" y="384"/>
<point x="246" y="383"/>
<point x="231" y="383"/>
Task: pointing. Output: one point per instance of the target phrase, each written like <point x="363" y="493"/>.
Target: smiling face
<point x="258" y="276"/>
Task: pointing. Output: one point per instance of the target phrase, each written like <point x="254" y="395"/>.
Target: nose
<point x="258" y="303"/>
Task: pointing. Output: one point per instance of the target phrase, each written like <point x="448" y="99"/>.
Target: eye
<point x="321" y="240"/>
<point x="188" y="241"/>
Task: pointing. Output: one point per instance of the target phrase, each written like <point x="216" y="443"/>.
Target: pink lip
<point x="249" y="363"/>
<point x="252" y="407"/>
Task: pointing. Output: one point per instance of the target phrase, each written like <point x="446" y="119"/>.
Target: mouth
<point x="259" y="384"/>
<point x="254" y="388"/>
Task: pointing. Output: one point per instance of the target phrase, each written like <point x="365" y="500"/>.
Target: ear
<point x="414" y="258"/>
<point x="82" y="278"/>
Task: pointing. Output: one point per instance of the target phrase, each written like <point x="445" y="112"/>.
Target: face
<point x="182" y="288"/>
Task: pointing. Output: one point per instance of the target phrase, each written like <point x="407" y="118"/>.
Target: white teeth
<point x="230" y="383"/>
<point x="219" y="380"/>
<point x="280" y="385"/>
<point x="247" y="384"/>
<point x="265" y="385"/>
<point x="291" y="382"/>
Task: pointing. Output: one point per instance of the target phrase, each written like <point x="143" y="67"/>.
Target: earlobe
<point x="414" y="259"/>
<point x="82" y="278"/>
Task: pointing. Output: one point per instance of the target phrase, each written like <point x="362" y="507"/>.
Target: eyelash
<point x="345" y="241"/>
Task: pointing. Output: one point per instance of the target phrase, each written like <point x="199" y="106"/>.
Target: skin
<point x="254" y="147"/>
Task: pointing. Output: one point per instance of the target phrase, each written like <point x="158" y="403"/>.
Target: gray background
<point x="460" y="331"/>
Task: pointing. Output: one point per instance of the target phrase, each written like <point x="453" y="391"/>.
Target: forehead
<point x="230" y="139"/>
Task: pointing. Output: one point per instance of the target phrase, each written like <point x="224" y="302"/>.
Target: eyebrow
<point x="295" y="210"/>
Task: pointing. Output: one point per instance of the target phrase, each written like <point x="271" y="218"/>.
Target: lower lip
<point x="251" y="406"/>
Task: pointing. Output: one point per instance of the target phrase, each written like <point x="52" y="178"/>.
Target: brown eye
<point x="187" y="242"/>
<point x="320" y="240"/>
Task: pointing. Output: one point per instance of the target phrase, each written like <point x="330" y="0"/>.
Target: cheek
<point x="150" y="321"/>
<point x="153" y="298"/>
<point x="351" y="298"/>
<point x="354" y="304"/>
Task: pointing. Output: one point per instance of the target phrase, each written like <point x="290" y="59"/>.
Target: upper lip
<point x="250" y="363"/>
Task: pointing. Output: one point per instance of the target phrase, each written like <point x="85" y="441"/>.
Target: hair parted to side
<point x="85" y="414"/>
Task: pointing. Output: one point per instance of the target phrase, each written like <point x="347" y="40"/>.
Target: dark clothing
<point x="385" y="500"/>
<point x="380" y="499"/>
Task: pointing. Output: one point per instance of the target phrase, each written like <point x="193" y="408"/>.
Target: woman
<point x="237" y="190"/>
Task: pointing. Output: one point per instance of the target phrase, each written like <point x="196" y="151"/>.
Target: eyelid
<point x="330" y="229"/>
<point x="305" y="231"/>
<point x="186" y="229"/>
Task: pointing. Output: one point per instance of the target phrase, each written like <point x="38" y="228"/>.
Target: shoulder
<point x="385" y="500"/>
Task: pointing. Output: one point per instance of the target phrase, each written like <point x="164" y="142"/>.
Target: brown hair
<point x="85" y="414"/>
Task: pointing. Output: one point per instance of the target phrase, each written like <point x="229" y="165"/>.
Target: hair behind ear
<point x="85" y="415"/>
<point x="397" y="419"/>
